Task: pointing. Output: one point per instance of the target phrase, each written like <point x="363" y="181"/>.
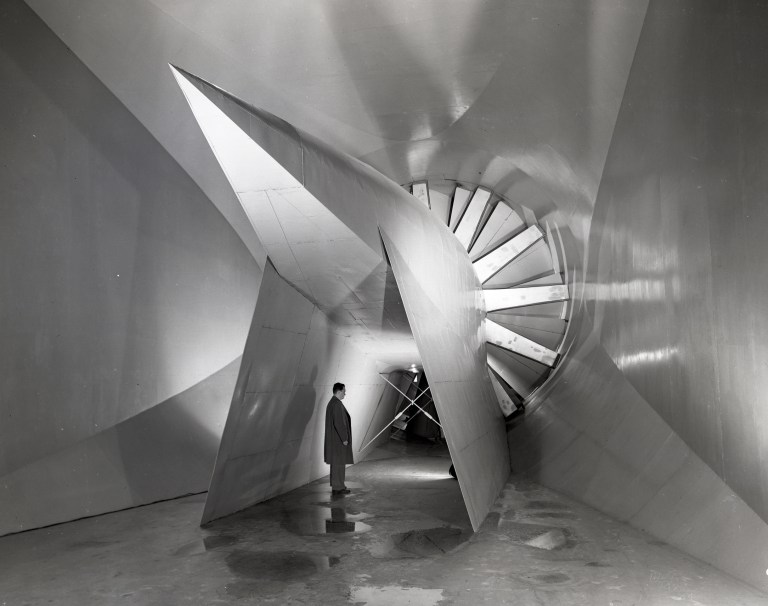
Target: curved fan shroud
<point x="526" y="291"/>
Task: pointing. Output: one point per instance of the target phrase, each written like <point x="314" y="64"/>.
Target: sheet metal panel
<point x="505" y="402"/>
<point x="533" y="263"/>
<point x="440" y="203"/>
<point x="517" y="376"/>
<point x="494" y="261"/>
<point x="501" y="225"/>
<point x="441" y="296"/>
<point x="272" y="440"/>
<point x="470" y="220"/>
<point x="505" y="338"/>
<point x="421" y="192"/>
<point x="459" y="204"/>
<point x="505" y="298"/>
<point x="112" y="262"/>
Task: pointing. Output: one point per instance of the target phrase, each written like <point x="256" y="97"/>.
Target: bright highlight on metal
<point x="506" y="298"/>
<point x="500" y="225"/>
<point x="509" y="376"/>
<point x="491" y="263"/>
<point x="421" y="192"/>
<point x="505" y="402"/>
<point x="505" y="338"/>
<point x="460" y="199"/>
<point x="470" y="220"/>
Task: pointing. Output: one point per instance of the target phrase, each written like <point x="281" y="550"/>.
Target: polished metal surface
<point x="645" y="158"/>
<point x="518" y="376"/>
<point x="461" y="196"/>
<point x="346" y="277"/>
<point x="470" y="220"/>
<point x="273" y="437"/>
<point x="678" y="282"/>
<point x="657" y="412"/>
<point x="508" y="339"/>
<point x="494" y="261"/>
<point x="441" y="293"/>
<point x="506" y="298"/>
<point x="124" y="297"/>
<point x="505" y="402"/>
<point x="421" y="192"/>
<point x="440" y="204"/>
<point x="502" y="223"/>
<point x="535" y="330"/>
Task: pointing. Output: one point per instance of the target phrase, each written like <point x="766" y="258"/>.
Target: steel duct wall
<point x="657" y="416"/>
<point x="670" y="348"/>
<point x="124" y="297"/>
<point x="273" y="438"/>
<point x="434" y="275"/>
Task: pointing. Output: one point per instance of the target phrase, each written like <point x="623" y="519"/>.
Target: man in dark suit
<point x="338" y="439"/>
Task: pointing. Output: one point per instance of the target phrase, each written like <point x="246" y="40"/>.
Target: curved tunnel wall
<point x="670" y="88"/>
<point x="657" y="416"/>
<point x="125" y="297"/>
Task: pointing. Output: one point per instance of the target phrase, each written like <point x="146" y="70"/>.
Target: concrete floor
<point x="401" y="537"/>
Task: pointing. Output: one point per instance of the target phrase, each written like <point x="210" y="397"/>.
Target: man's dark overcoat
<point x="338" y="429"/>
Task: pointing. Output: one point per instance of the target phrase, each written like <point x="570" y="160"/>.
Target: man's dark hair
<point x="338" y="387"/>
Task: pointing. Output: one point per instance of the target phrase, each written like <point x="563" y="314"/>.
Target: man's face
<point x="341" y="393"/>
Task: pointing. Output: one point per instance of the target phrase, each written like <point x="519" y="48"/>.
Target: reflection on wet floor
<point x="277" y="565"/>
<point x="430" y="542"/>
<point x="413" y="545"/>
<point x="317" y="520"/>
<point x="420" y="543"/>
<point x="273" y="570"/>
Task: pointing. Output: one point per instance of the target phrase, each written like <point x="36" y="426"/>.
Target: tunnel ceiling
<point x="521" y="97"/>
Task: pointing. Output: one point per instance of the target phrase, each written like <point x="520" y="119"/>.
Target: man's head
<point x="339" y="390"/>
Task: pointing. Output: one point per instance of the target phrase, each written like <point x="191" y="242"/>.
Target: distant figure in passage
<point x="338" y="439"/>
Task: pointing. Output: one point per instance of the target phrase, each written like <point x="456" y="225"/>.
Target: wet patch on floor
<point x="394" y="595"/>
<point x="429" y="542"/>
<point x="275" y="568"/>
<point x="541" y="537"/>
<point x="316" y="520"/>
<point x="597" y="565"/>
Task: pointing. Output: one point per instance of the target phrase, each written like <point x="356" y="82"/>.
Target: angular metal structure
<point x="273" y="437"/>
<point x="434" y="275"/>
<point x="631" y="134"/>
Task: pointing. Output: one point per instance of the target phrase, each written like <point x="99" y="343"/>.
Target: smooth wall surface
<point x="162" y="453"/>
<point x="590" y="435"/>
<point x="274" y="436"/>
<point x="678" y="249"/>
<point x="121" y="286"/>
<point x="656" y="416"/>
<point x="434" y="275"/>
<point x="674" y="250"/>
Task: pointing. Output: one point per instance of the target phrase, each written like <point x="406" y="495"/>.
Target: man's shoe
<point x="342" y="491"/>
